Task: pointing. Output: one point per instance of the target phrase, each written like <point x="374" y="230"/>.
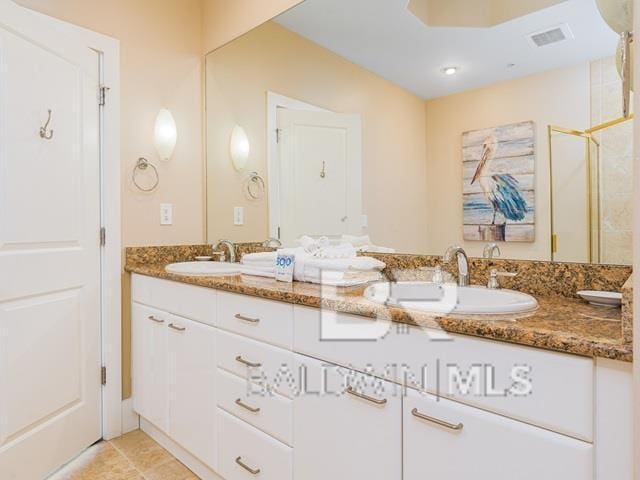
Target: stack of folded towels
<point x="363" y="243"/>
<point x="318" y="261"/>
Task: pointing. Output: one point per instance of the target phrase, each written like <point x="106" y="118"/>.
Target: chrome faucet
<point x="491" y="250"/>
<point x="272" y="242"/>
<point x="230" y="248"/>
<point x="463" y="263"/>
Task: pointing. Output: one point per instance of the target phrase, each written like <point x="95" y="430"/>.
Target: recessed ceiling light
<point x="450" y="70"/>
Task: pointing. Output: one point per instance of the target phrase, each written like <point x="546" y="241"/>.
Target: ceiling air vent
<point x="550" y="36"/>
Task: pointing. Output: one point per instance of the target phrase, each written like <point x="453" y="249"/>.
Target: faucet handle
<point x="220" y="254"/>
<point x="491" y="250"/>
<point x="493" y="282"/>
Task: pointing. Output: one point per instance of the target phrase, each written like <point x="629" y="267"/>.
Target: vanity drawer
<point x="272" y="413"/>
<point x="264" y="320"/>
<point x="188" y="301"/>
<point x="544" y="388"/>
<point x="245" y="453"/>
<point x="473" y="443"/>
<point x="266" y="366"/>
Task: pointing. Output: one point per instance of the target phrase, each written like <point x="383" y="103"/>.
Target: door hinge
<point x="103" y="375"/>
<point x="103" y="236"/>
<point x="278" y="134"/>
<point x="102" y="95"/>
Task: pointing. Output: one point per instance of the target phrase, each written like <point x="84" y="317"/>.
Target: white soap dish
<point x="601" y="299"/>
<point x="204" y="258"/>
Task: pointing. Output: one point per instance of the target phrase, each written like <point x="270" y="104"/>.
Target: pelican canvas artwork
<point x="499" y="183"/>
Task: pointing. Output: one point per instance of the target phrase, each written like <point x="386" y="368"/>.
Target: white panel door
<point x="445" y="440"/>
<point x="192" y="403"/>
<point x="49" y="247"/>
<point x="320" y="173"/>
<point x="341" y="435"/>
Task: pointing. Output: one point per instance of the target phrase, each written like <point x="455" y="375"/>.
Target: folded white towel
<point x="357" y="241"/>
<point x="363" y="244"/>
<point x="260" y="258"/>
<point x="375" y="249"/>
<point x="323" y="247"/>
<point x="329" y="277"/>
<point x="258" y="271"/>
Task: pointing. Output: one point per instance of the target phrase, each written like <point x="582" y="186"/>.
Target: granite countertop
<point x="561" y="324"/>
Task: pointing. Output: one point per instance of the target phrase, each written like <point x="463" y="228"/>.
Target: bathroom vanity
<point x="242" y="378"/>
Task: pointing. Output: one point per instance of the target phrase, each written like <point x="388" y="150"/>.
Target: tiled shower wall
<point x="616" y="155"/>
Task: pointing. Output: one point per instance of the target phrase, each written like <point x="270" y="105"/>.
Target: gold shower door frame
<point x="592" y="175"/>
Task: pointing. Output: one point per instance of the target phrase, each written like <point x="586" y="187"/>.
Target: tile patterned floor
<point x="134" y="456"/>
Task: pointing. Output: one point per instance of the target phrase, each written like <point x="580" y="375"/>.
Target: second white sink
<point x="450" y="298"/>
<point x="204" y="269"/>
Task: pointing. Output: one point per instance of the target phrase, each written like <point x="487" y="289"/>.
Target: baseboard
<point x="195" y="465"/>
<point x="130" y="419"/>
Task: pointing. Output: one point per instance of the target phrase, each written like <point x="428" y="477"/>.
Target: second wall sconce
<point x="239" y="148"/>
<point x="165" y="134"/>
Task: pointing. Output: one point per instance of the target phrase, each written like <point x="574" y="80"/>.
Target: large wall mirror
<point x="412" y="125"/>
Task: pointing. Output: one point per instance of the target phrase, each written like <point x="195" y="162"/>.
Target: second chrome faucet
<point x="464" y="275"/>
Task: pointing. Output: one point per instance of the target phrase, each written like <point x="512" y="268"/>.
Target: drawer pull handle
<point x="377" y="401"/>
<point x="252" y="471"/>
<point x="176" y="327"/>
<point x="154" y="319"/>
<point x="247" y="362"/>
<point x="240" y="403"/>
<point x="247" y="319"/>
<point x="442" y="423"/>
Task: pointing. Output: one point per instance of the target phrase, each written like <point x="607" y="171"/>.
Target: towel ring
<point x="255" y="186"/>
<point x="142" y="164"/>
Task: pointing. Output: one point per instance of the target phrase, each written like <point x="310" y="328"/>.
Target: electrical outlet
<point x="166" y="214"/>
<point x="238" y="216"/>
<point x="365" y="221"/>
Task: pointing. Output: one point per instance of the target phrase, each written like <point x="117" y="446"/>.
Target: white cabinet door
<point x="446" y="440"/>
<point x="191" y="347"/>
<point x="345" y="435"/>
<point x="149" y="359"/>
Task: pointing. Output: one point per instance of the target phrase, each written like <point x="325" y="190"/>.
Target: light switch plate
<point x="166" y="214"/>
<point x="238" y="216"/>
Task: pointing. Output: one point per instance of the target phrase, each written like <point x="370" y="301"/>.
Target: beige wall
<point x="160" y="66"/>
<point x="272" y="58"/>
<point x="558" y="97"/>
<point x="228" y="19"/>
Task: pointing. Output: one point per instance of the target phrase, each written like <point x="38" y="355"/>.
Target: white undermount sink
<point x="203" y="269"/>
<point x="450" y="298"/>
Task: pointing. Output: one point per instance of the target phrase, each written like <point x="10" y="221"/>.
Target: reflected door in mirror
<point x="320" y="174"/>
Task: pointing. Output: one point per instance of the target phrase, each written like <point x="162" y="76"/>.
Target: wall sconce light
<point x="165" y="134"/>
<point x="239" y="148"/>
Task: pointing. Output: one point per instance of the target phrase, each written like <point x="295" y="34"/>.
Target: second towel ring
<point x="143" y="164"/>
<point x="255" y="186"/>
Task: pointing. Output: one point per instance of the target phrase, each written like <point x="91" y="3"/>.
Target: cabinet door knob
<point x="442" y="423"/>
<point x="240" y="403"/>
<point x="377" y="401"/>
<point x="247" y="362"/>
<point x="252" y="471"/>
<point x="154" y="319"/>
<point x="177" y="327"/>
<point x="247" y="319"/>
